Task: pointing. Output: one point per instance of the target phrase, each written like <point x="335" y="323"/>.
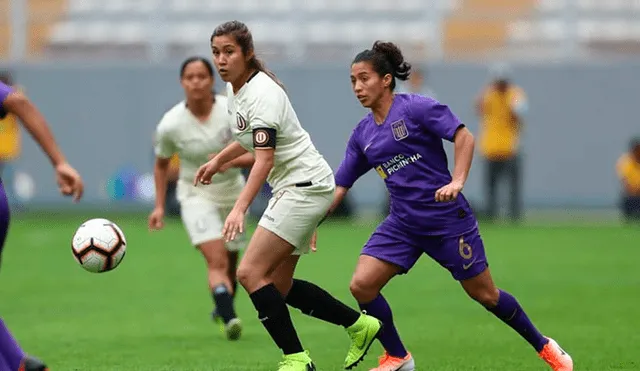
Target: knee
<point x="246" y="277"/>
<point x="362" y="290"/>
<point x="487" y="297"/>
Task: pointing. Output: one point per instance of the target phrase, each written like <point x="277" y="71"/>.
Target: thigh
<point x="373" y="274"/>
<point x="202" y="220"/>
<point x="265" y="252"/>
<point x="390" y="244"/>
<point x="293" y="214"/>
<point x="462" y="255"/>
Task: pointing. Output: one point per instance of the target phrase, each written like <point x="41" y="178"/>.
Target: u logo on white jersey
<point x="241" y="122"/>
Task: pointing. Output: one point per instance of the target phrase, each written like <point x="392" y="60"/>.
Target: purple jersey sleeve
<point x="5" y="90"/>
<point x="435" y="117"/>
<point x="354" y="165"/>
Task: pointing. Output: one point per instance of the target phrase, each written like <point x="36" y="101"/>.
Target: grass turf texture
<point x="579" y="284"/>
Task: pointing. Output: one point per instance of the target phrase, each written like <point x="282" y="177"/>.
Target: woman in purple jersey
<point x="402" y="139"/>
<point x="12" y="358"/>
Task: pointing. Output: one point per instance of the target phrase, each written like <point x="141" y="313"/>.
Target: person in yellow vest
<point x="500" y="107"/>
<point x="628" y="168"/>
<point x="10" y="144"/>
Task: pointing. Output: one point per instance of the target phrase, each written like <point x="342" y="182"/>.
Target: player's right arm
<point x="209" y="169"/>
<point x="69" y="181"/>
<point x="164" y="149"/>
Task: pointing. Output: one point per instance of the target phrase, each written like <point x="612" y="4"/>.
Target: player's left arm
<point x="245" y="161"/>
<point x="463" y="147"/>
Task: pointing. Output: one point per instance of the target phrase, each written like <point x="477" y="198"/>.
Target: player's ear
<point x="386" y="80"/>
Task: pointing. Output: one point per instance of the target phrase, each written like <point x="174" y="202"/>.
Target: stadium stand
<point x="324" y="30"/>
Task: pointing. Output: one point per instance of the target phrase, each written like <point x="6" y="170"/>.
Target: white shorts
<point x="293" y="213"/>
<point x="204" y="221"/>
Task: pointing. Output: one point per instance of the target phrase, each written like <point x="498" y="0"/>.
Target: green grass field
<point x="580" y="285"/>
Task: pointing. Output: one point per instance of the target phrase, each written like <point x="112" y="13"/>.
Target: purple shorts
<point x="462" y="255"/>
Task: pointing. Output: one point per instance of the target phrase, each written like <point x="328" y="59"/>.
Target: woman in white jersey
<point x="303" y="187"/>
<point x="195" y="129"/>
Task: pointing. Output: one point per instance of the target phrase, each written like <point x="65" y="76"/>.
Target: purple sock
<point x="511" y="313"/>
<point x="379" y="308"/>
<point x="9" y="348"/>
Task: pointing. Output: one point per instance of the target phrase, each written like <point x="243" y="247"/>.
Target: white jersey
<point x="262" y="104"/>
<point x="181" y="132"/>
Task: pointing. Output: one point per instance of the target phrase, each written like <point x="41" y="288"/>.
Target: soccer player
<point x="303" y="187"/>
<point x="402" y="139"/>
<point x="12" y="358"/>
<point x="194" y="129"/>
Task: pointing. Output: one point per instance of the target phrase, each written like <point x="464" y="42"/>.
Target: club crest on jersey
<point x="241" y="122"/>
<point x="399" y="129"/>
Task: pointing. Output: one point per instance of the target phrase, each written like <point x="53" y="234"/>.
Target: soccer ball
<point x="99" y="245"/>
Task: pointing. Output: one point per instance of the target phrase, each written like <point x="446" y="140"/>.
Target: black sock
<point x="274" y="315"/>
<point x="314" y="301"/>
<point x="224" y="303"/>
<point x="234" y="285"/>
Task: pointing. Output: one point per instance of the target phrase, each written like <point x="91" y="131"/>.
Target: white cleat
<point x="233" y="329"/>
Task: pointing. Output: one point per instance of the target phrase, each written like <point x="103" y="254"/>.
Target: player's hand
<point x="206" y="172"/>
<point x="69" y="181"/>
<point x="449" y="192"/>
<point x="234" y="225"/>
<point x="156" y="219"/>
<point x="314" y="241"/>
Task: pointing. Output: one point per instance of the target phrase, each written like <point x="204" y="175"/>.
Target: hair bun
<point x="401" y="68"/>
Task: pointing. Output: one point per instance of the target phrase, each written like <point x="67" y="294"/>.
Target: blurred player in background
<point x="628" y="168"/>
<point x="303" y="187"/>
<point x="172" y="205"/>
<point x="195" y="129"/>
<point x="501" y="107"/>
<point x="402" y="139"/>
<point x="9" y="141"/>
<point x="12" y="358"/>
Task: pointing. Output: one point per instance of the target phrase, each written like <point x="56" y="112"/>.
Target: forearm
<point x="36" y="125"/>
<point x="244" y="161"/>
<point x="257" y="177"/>
<point x="160" y="172"/>
<point x="230" y="153"/>
<point x="338" y="197"/>
<point x="464" y="144"/>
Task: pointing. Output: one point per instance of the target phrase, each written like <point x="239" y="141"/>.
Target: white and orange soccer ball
<point x="99" y="245"/>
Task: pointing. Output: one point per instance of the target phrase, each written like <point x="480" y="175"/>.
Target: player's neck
<point x="201" y="108"/>
<point x="382" y="108"/>
<point x="239" y="83"/>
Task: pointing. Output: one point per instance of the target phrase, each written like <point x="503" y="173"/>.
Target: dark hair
<point x="386" y="58"/>
<point x="243" y="37"/>
<point x="193" y="59"/>
<point x="5" y="77"/>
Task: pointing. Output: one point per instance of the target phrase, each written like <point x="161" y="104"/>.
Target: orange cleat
<point x="32" y="364"/>
<point x="389" y="363"/>
<point x="556" y="357"/>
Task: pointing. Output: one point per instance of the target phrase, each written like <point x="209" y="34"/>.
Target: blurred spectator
<point x="9" y="142"/>
<point x="417" y="84"/>
<point x="500" y="108"/>
<point x="628" y="168"/>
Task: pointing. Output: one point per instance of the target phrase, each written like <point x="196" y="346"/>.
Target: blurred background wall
<point x="103" y="72"/>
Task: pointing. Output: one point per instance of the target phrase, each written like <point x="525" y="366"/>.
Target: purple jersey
<point x="5" y="90"/>
<point x="407" y="152"/>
